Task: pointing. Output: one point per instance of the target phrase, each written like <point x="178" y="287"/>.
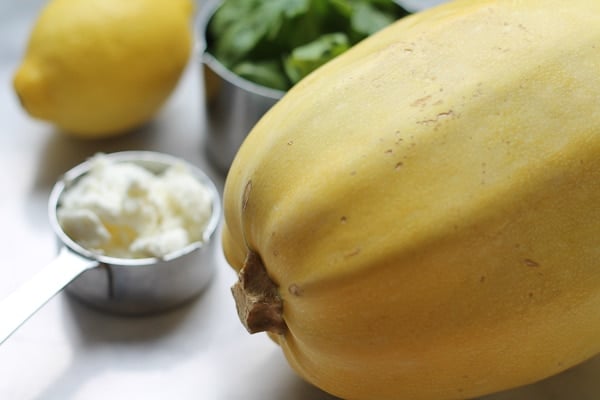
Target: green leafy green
<point x="276" y="43"/>
<point x="266" y="73"/>
<point x="367" y="19"/>
<point x="305" y="59"/>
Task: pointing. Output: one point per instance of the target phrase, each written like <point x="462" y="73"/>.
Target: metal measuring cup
<point x="234" y="105"/>
<point x="134" y="286"/>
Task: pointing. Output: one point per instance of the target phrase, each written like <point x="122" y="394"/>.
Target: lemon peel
<point x="99" y="68"/>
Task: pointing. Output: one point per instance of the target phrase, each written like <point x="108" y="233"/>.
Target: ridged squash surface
<point x="427" y="206"/>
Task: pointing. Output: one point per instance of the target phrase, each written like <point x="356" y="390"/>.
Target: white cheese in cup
<point x="120" y="209"/>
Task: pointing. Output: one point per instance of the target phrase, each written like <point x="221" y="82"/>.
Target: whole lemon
<point x="98" y="68"/>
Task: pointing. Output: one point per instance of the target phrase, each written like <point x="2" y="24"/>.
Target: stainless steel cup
<point x="134" y="286"/>
<point x="232" y="105"/>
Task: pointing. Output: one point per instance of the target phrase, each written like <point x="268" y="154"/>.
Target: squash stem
<point x="257" y="299"/>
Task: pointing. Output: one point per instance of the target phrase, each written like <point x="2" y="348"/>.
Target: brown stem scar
<point x="257" y="299"/>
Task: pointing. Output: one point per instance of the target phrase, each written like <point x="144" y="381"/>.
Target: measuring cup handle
<point x="31" y="296"/>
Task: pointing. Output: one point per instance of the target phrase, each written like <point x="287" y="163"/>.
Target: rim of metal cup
<point x="204" y="16"/>
<point x="160" y="161"/>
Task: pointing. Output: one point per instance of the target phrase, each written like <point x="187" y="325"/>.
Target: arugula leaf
<point x="229" y="13"/>
<point x="293" y="8"/>
<point x="239" y="40"/>
<point x="344" y="7"/>
<point x="305" y="59"/>
<point x="367" y="19"/>
<point x="267" y="73"/>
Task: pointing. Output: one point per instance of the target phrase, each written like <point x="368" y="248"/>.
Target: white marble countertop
<point x="200" y="351"/>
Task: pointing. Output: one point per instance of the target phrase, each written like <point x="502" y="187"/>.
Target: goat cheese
<point x="121" y="209"/>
